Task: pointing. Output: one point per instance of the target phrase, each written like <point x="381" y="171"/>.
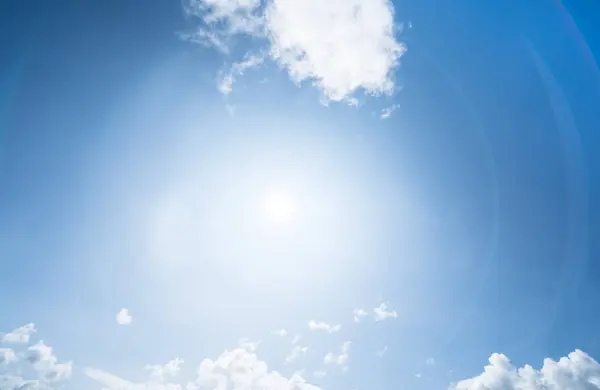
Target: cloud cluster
<point x="578" y="371"/>
<point x="340" y="46"/>
<point x="39" y="357"/>
<point x="243" y="370"/>
<point x="380" y="313"/>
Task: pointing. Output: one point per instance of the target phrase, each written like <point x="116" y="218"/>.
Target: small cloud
<point x="123" y="317"/>
<point x="225" y="84"/>
<point x="313" y="325"/>
<point x="7" y="355"/>
<point x="248" y="345"/>
<point x="280" y="332"/>
<point x="430" y="361"/>
<point x="20" y="335"/>
<point x="418" y="375"/>
<point x="359" y="314"/>
<point x="162" y="373"/>
<point x="382" y="351"/>
<point x="388" y="111"/>
<point x="383" y="312"/>
<point x="342" y="358"/>
<point x="45" y="362"/>
<point x="296" y="352"/>
<point x="296" y="338"/>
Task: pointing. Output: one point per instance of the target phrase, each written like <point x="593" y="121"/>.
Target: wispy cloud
<point x="383" y="312"/>
<point x="382" y="351"/>
<point x="123" y="317"/>
<point x="430" y="361"/>
<point x="342" y="358"/>
<point x="21" y="335"/>
<point x="314" y="325"/>
<point x="162" y="373"/>
<point x="295" y="353"/>
<point x="359" y="314"/>
<point x="340" y="47"/>
<point x="388" y="111"/>
<point x="280" y="332"/>
<point x="225" y="85"/>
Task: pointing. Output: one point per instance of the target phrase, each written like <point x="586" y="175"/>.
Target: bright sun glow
<point x="279" y="206"/>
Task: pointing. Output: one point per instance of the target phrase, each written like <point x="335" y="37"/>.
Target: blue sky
<point x="407" y="189"/>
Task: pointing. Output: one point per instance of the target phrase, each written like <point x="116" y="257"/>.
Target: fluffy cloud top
<point x="578" y="371"/>
<point x="314" y="325"/>
<point x="19" y="335"/>
<point x="7" y="355"/>
<point x="46" y="363"/>
<point x="162" y="373"/>
<point x="243" y="370"/>
<point x="340" y="46"/>
<point x="123" y="317"/>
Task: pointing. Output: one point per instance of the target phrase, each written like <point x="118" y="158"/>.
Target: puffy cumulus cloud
<point x="161" y="373"/>
<point x="46" y="363"/>
<point x="20" y="335"/>
<point x="109" y="381"/>
<point x="342" y="358"/>
<point x="240" y="369"/>
<point x="123" y="317"/>
<point x="383" y="312"/>
<point x="280" y="332"/>
<point x="578" y="371"/>
<point x="388" y="111"/>
<point x="340" y="46"/>
<point x="7" y="355"/>
<point x="314" y="325"/>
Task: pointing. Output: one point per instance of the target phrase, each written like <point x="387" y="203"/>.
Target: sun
<point x="279" y="206"/>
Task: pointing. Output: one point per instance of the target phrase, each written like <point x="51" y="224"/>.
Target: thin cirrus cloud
<point x="338" y="46"/>
<point x="295" y="353"/>
<point x="359" y="314"/>
<point x="323" y="326"/>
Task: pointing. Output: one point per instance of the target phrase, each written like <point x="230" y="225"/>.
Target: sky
<point x="299" y="194"/>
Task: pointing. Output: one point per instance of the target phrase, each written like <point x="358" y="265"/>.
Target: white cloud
<point x="113" y="382"/>
<point x="313" y="325"/>
<point x="384" y="312"/>
<point x="382" y="351"/>
<point x="123" y="317"/>
<point x="578" y="371"/>
<point x="296" y="352"/>
<point x="388" y="111"/>
<point x="225" y="85"/>
<point x="340" y="46"/>
<point x="342" y="358"/>
<point x="243" y="370"/>
<point x="19" y="335"/>
<point x="296" y="339"/>
<point x="359" y="314"/>
<point x="7" y="355"/>
<point x="161" y="373"/>
<point x="248" y="345"/>
<point x="45" y="362"/>
<point x="280" y="332"/>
